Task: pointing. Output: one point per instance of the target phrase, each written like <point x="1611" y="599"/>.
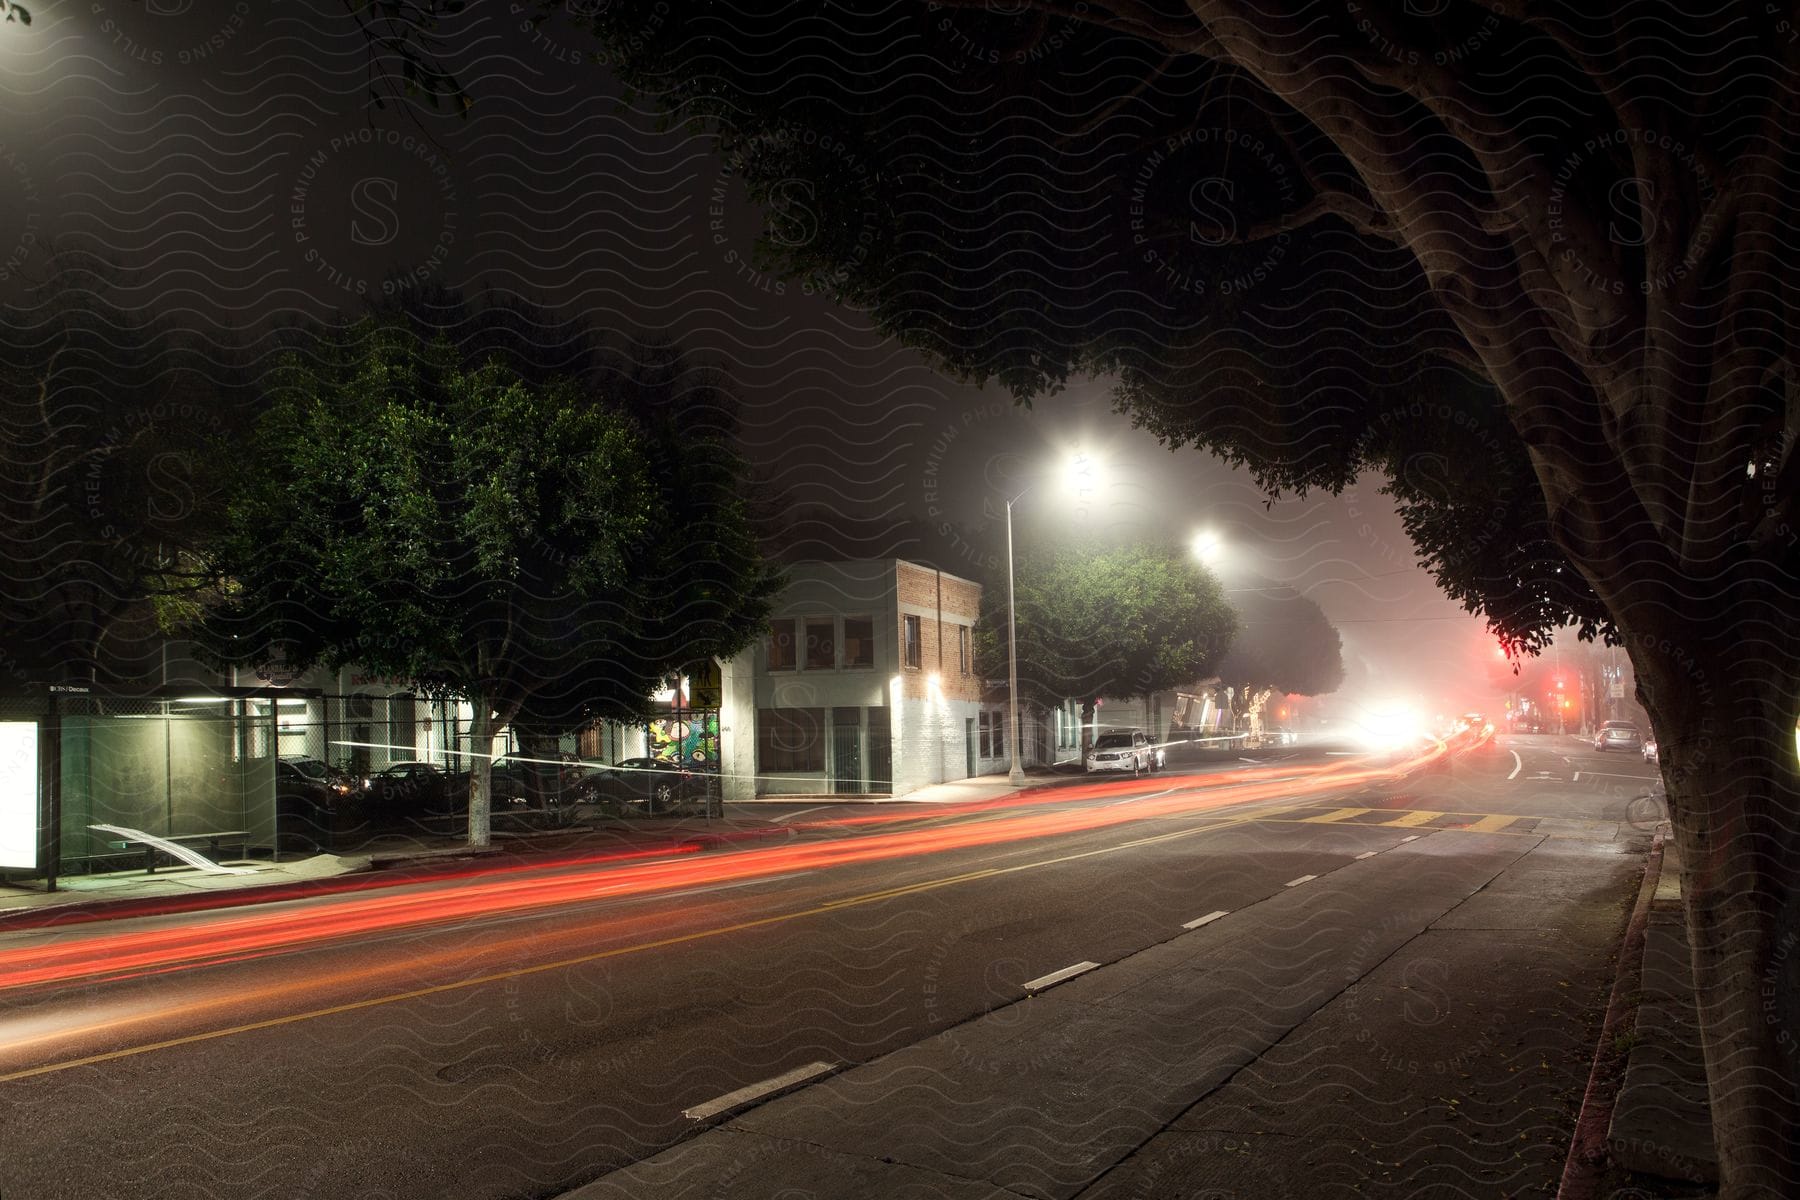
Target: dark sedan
<point x="649" y="785"/>
<point x="414" y="787"/>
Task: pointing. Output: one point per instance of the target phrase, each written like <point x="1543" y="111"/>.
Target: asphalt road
<point x="518" y="1034"/>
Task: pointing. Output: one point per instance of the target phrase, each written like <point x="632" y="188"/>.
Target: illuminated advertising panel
<point x="18" y="795"/>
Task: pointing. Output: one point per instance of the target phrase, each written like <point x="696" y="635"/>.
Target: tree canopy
<point x="1284" y="644"/>
<point x="1105" y="621"/>
<point x="483" y="536"/>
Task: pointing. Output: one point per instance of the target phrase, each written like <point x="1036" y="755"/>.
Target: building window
<point x="987" y="735"/>
<point x="821" y="644"/>
<point x="859" y="641"/>
<point x="790" y="740"/>
<point x="965" y="652"/>
<point x="781" y="645"/>
<point x="915" y="649"/>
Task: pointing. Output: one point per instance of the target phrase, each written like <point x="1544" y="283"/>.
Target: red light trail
<point x="512" y="889"/>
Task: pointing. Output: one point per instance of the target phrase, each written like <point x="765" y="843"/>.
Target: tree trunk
<point x="1724" y="714"/>
<point x="481" y="773"/>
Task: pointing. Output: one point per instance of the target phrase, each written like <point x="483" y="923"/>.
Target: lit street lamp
<point x="1207" y="547"/>
<point x="1081" y="481"/>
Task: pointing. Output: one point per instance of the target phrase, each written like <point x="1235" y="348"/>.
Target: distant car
<point x="1124" y="750"/>
<point x="1650" y="750"/>
<point x="1619" y="735"/>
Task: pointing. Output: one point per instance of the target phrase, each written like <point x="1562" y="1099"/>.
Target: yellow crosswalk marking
<point x="1418" y="816"/>
<point x="1491" y="824"/>
<point x="1342" y="814"/>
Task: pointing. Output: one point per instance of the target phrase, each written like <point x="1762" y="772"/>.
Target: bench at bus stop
<point x="181" y="847"/>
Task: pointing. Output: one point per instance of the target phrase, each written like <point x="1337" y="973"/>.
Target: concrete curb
<point x="1584" y="1169"/>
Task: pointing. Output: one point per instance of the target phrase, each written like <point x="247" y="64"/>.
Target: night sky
<point x="227" y="159"/>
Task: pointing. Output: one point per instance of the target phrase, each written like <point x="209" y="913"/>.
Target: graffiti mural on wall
<point x="691" y="739"/>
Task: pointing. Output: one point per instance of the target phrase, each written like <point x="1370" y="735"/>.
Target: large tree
<point x="488" y="538"/>
<point x="1104" y="621"/>
<point x="1285" y="645"/>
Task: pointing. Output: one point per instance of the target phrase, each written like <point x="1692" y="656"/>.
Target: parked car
<point x="306" y="808"/>
<point x="651" y="784"/>
<point x="1650" y="750"/>
<point x="338" y="780"/>
<point x="1619" y="735"/>
<point x="1124" y="750"/>
<point x="414" y="787"/>
<point x="506" y="782"/>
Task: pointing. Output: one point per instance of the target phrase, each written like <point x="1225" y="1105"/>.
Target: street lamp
<point x="1207" y="547"/>
<point x="1082" y="470"/>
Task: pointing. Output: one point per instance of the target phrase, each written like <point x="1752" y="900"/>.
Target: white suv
<point x="1124" y="750"/>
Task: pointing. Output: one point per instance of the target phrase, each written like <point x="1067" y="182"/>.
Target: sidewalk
<point x="1314" y="1042"/>
<point x="386" y="862"/>
<point x="1661" y="1123"/>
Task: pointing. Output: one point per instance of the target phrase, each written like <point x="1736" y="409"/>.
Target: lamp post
<point x="1081" y="470"/>
<point x="1015" y="775"/>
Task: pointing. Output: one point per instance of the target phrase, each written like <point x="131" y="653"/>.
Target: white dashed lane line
<point x="762" y="1090"/>
<point x="1208" y="919"/>
<point x="1055" y="977"/>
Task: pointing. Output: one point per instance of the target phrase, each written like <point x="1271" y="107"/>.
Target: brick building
<point x="865" y="684"/>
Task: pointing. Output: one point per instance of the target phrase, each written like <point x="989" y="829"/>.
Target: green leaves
<point x="1116" y="621"/>
<point x="543" y="544"/>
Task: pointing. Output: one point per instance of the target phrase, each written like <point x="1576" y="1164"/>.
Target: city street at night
<point x="526" y="1031"/>
<point x="899" y="600"/>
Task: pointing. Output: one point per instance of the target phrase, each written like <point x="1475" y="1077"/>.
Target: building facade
<point x="866" y="684"/>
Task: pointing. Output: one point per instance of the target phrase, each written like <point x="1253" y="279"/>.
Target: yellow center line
<point x="597" y="956"/>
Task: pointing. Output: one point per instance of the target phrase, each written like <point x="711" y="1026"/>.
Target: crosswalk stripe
<point x="1491" y="824"/>
<point x="1418" y="816"/>
<point x="1341" y="814"/>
